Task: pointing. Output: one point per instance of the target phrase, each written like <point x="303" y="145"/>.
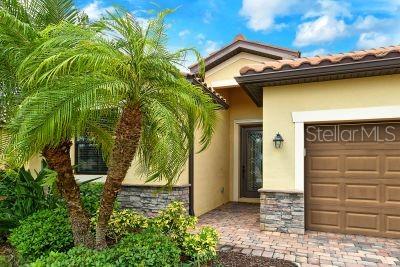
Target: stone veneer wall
<point x="149" y="200"/>
<point x="282" y="212"/>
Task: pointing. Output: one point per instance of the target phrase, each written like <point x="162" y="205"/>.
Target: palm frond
<point x="77" y="74"/>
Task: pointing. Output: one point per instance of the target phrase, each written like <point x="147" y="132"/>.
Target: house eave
<point x="253" y="83"/>
<point x="223" y="104"/>
<point x="264" y="50"/>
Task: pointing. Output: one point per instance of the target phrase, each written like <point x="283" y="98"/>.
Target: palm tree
<point x="123" y="66"/>
<point x="22" y="24"/>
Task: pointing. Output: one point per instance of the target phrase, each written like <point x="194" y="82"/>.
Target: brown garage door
<point x="353" y="178"/>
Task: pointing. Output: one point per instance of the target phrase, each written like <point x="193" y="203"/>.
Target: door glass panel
<point x="254" y="160"/>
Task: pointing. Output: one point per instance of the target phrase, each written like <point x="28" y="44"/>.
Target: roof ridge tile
<point x="318" y="59"/>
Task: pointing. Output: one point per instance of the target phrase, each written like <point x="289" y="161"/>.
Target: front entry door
<point x="251" y="161"/>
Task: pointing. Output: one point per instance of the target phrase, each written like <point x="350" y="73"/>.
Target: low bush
<point x="91" y="195"/>
<point x="22" y="195"/>
<point x="201" y="247"/>
<point x="42" y="232"/>
<point x="4" y="261"/>
<point x="124" y="222"/>
<point x="147" y="248"/>
<point x="175" y="222"/>
<point x="76" y="257"/>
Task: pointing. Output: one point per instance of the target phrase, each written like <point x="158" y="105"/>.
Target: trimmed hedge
<point x="148" y="248"/>
<point x="42" y="232"/>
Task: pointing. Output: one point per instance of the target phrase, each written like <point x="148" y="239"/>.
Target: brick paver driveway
<point x="238" y="225"/>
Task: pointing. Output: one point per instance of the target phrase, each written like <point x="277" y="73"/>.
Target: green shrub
<point x="124" y="222"/>
<point x="201" y="247"/>
<point x="147" y="248"/>
<point x="76" y="257"/>
<point x="174" y="222"/>
<point x="22" y="195"/>
<point x="4" y="261"/>
<point x="42" y="232"/>
<point x="91" y="195"/>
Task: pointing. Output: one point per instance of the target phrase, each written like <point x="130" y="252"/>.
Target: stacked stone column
<point x="282" y="211"/>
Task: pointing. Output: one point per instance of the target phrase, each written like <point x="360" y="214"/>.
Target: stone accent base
<point x="282" y="212"/>
<point x="149" y="200"/>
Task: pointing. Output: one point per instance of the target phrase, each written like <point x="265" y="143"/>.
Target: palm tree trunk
<point x="127" y="136"/>
<point x="59" y="160"/>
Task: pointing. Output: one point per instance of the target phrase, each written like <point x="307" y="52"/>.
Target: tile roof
<point x="270" y="66"/>
<point x="196" y="80"/>
<point x="241" y="44"/>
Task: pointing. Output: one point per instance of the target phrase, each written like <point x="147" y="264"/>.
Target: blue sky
<point x="310" y="26"/>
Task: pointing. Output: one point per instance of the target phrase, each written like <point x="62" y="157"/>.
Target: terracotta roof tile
<point x="199" y="81"/>
<point x="317" y="60"/>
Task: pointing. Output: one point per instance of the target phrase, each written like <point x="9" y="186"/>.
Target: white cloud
<point x="211" y="46"/>
<point x="95" y="10"/>
<point x="325" y="21"/>
<point x="377" y="32"/>
<point x="375" y="39"/>
<point x="207" y="17"/>
<point x="329" y="8"/>
<point x="317" y="52"/>
<point x="184" y="33"/>
<point x="261" y="14"/>
<point x="323" y="29"/>
<point x="368" y="23"/>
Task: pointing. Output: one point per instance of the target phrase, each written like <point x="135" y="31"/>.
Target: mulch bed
<point x="237" y="259"/>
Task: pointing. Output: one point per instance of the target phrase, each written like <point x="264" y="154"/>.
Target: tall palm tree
<point x="123" y="66"/>
<point x="22" y="27"/>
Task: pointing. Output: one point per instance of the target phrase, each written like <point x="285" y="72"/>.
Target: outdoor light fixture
<point x="278" y="140"/>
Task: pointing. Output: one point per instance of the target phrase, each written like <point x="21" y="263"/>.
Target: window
<point x="88" y="158"/>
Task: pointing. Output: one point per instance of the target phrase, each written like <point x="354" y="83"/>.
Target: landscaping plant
<point x="175" y="222"/>
<point x="124" y="222"/>
<point x="148" y="248"/>
<point x="90" y="195"/>
<point x="21" y="195"/>
<point x="201" y="247"/>
<point x="41" y="233"/>
<point x="22" y="28"/>
<point x="198" y="245"/>
<point x="124" y="67"/>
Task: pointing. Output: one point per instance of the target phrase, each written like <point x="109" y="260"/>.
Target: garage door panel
<point x="392" y="224"/>
<point x="393" y="164"/>
<point x="324" y="166"/>
<point x="324" y="219"/>
<point x="392" y="194"/>
<point x="369" y="164"/>
<point x="362" y="221"/>
<point x="354" y="188"/>
<point x="391" y="167"/>
<point x="322" y="191"/>
<point x="365" y="194"/>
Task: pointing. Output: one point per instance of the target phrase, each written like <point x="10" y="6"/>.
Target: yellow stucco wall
<point x="34" y="164"/>
<point x="211" y="169"/>
<point x="230" y="68"/>
<point x="279" y="102"/>
<point x="134" y="177"/>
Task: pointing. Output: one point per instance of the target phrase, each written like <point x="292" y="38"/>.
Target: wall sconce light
<point x="278" y="140"/>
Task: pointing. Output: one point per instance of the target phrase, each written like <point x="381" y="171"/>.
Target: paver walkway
<point x="238" y="225"/>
